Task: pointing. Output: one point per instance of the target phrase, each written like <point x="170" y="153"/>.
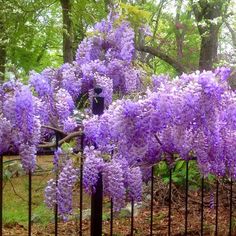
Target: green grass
<point x="15" y="201"/>
<point x="15" y="206"/>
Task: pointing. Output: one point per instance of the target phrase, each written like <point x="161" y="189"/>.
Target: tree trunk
<point x="107" y="4"/>
<point x="67" y="31"/>
<point x="179" y="31"/>
<point x="233" y="33"/>
<point x="2" y="63"/>
<point x="2" y="53"/>
<point x="206" y="13"/>
<point x="208" y="51"/>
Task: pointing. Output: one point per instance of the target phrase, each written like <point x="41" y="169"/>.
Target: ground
<point x="15" y="210"/>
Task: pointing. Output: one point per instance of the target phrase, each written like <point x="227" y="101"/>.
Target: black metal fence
<point x="97" y="200"/>
<point x="97" y="204"/>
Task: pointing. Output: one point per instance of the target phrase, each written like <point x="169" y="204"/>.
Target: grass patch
<point x="15" y="200"/>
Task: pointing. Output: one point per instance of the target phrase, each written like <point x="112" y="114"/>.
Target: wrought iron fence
<point x="97" y="204"/>
<point x="97" y="199"/>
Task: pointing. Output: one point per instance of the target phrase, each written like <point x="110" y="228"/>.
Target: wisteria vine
<point x="191" y="116"/>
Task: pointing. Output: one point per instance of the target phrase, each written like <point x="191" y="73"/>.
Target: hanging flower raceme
<point x="113" y="181"/>
<point x="19" y="111"/>
<point x="110" y="53"/>
<point x="66" y="182"/>
<point x="5" y="135"/>
<point x="41" y="84"/>
<point x="93" y="166"/>
<point x="61" y="193"/>
<point x="28" y="156"/>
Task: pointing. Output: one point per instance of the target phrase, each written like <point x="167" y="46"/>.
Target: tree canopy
<point x="182" y="35"/>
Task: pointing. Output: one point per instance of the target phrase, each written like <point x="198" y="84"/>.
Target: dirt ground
<point x="122" y="224"/>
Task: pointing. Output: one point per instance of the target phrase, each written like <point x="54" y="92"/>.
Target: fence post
<point x="81" y="187"/>
<point x="97" y="197"/>
<point x="170" y="198"/>
<point x="58" y="137"/>
<point x="1" y="194"/>
<point x="30" y="203"/>
<point x="186" y="198"/>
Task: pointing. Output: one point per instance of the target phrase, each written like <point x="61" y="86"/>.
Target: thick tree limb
<point x="54" y="129"/>
<point x="156" y="52"/>
<point x="64" y="140"/>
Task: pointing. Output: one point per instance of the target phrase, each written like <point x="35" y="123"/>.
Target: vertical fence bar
<point x="169" y="214"/>
<point x="81" y="187"/>
<point x="111" y="218"/>
<point x="152" y="190"/>
<point x="230" y="207"/>
<point x="97" y="197"/>
<point x="30" y="203"/>
<point x="1" y="193"/>
<point x="96" y="209"/>
<point x="56" y="205"/>
<point x="186" y="200"/>
<point x="217" y="205"/>
<point x="132" y="218"/>
<point x="202" y="205"/>
<point x="111" y="210"/>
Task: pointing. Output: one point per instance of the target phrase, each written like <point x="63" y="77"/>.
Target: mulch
<point x="121" y="226"/>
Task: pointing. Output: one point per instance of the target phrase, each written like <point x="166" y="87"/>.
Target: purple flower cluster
<point x="190" y="116"/>
<point x="92" y="167"/>
<point x="120" y="181"/>
<point x="5" y="134"/>
<point x="40" y="83"/>
<point x="61" y="193"/>
<point x="134" y="179"/>
<point x="21" y="124"/>
<point x="50" y="194"/>
<point x="112" y="48"/>
<point x="64" y="104"/>
<point x="66" y="182"/>
<point x="113" y="181"/>
<point x="104" y="59"/>
<point x="57" y="90"/>
<point x="28" y="157"/>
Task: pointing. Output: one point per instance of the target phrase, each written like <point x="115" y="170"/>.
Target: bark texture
<point x="156" y="52"/>
<point x="2" y="53"/>
<point x="67" y="31"/>
<point x="209" y="15"/>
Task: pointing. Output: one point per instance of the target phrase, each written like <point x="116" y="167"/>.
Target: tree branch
<point x="64" y="140"/>
<point x="156" y="52"/>
<point x="232" y="32"/>
<point x="54" y="129"/>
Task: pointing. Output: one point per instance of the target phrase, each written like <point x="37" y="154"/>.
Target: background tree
<point x="2" y="50"/>
<point x="185" y="35"/>
<point x="192" y="33"/>
<point x="66" y="6"/>
<point x="209" y="17"/>
<point x="30" y="35"/>
<point x="33" y="35"/>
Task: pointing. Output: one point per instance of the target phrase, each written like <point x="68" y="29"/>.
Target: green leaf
<point x="179" y="165"/>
